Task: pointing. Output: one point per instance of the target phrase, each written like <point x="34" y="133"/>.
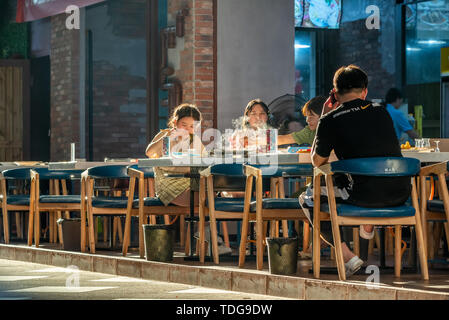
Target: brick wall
<point x="196" y="67"/>
<point x="64" y="114"/>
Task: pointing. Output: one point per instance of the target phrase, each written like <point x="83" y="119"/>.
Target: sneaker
<point x="364" y="234"/>
<point x="353" y="265"/>
<point x="222" y="249"/>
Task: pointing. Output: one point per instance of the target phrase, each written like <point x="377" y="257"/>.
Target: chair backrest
<point x="46" y="174"/>
<point x="280" y="170"/>
<point x="109" y="172"/>
<point x="228" y="177"/>
<point x="22" y="173"/>
<point x="379" y="166"/>
<point x="147" y="171"/>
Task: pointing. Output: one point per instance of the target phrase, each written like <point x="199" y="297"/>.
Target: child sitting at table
<point x="182" y="124"/>
<point x="312" y="111"/>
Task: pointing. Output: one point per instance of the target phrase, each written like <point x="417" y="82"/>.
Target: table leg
<point x="192" y="213"/>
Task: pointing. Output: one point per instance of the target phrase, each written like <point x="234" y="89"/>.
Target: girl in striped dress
<point x="182" y="124"/>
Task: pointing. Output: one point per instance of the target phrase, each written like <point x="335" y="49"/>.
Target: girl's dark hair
<point x="315" y="104"/>
<point x="184" y="110"/>
<point x="249" y="108"/>
<point x="349" y="78"/>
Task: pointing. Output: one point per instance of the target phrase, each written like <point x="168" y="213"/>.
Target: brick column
<point x="64" y="64"/>
<point x="196" y="69"/>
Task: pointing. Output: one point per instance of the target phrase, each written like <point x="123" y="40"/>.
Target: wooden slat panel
<point x="11" y="113"/>
<point x="2" y="105"/>
<point x="17" y="129"/>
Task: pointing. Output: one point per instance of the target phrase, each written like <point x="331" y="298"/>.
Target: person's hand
<point x="328" y="105"/>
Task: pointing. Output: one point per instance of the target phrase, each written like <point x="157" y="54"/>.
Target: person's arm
<point x="322" y="145"/>
<point x="412" y="134"/>
<point x="404" y="125"/>
<point x="285" y="139"/>
<point x="154" y="149"/>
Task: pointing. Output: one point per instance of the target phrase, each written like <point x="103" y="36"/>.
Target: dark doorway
<point x="40" y="109"/>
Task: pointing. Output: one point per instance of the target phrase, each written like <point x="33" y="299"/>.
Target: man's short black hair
<point x="350" y="78"/>
<point x="392" y="95"/>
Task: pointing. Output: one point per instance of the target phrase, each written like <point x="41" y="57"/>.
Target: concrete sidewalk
<point x="227" y="276"/>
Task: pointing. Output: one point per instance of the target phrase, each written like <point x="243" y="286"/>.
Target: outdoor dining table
<point x="202" y="162"/>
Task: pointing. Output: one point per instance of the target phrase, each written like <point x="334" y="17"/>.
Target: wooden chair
<point x="434" y="210"/>
<point x="111" y="206"/>
<point x="52" y="202"/>
<point x="145" y="207"/>
<point x="220" y="177"/>
<point x="268" y="209"/>
<point x="345" y="214"/>
<point x="16" y="202"/>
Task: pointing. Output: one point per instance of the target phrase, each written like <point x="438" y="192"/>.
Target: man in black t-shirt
<point x="356" y="128"/>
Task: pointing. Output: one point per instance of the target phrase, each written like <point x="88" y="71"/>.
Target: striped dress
<point x="169" y="188"/>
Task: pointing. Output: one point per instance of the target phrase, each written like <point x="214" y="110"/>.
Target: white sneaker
<point x="222" y="249"/>
<point x="364" y="234"/>
<point x="353" y="265"/>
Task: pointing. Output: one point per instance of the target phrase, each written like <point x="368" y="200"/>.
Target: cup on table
<point x="418" y="143"/>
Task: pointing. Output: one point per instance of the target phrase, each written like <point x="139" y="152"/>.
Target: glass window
<point x="305" y="67"/>
<point x="119" y="80"/>
<point x="427" y="31"/>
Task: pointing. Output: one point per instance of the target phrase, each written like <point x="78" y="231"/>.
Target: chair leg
<point x="83" y="231"/>
<point x="182" y="230"/>
<point x="214" y="237"/>
<point x="18" y="226"/>
<point x="60" y="228"/>
<point x="285" y="228"/>
<point x="141" y="235"/>
<point x="437" y="234"/>
<point x="5" y="226"/>
<point x="127" y="234"/>
<point x="356" y="241"/>
<point x="114" y="230"/>
<point x="119" y="230"/>
<point x="446" y="230"/>
<point x="316" y="248"/>
<point x="224" y="225"/>
<point x="421" y="250"/>
<point x="105" y="228"/>
<point x="92" y="233"/>
<point x="371" y="247"/>
<point x="187" y="241"/>
<point x="30" y="227"/>
<point x="243" y="241"/>
<point x="397" y="250"/>
<point x="390" y="242"/>
<point x="37" y="229"/>
<point x="305" y="236"/>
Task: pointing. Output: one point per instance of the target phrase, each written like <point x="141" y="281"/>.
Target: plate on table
<point x="299" y="149"/>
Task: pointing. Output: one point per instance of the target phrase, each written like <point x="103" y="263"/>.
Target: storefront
<point x="426" y="32"/>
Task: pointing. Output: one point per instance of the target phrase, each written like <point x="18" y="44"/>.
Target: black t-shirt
<point x="362" y="129"/>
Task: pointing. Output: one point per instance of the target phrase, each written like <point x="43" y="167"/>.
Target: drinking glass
<point x="426" y="143"/>
<point x="437" y="149"/>
<point x="418" y="143"/>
